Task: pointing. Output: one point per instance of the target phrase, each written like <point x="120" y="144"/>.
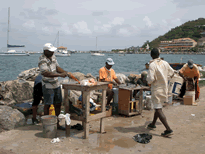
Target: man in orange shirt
<point x="190" y="70"/>
<point x="107" y="74"/>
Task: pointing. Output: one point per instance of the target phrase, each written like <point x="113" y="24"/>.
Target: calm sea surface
<point x="12" y="66"/>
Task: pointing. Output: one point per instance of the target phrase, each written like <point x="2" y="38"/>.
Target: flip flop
<point x="167" y="133"/>
<point x="151" y="126"/>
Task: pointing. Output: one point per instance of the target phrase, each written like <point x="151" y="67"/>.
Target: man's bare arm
<point x="51" y="74"/>
<point x="117" y="80"/>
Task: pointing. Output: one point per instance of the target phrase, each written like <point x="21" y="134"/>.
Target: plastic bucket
<point x="190" y="93"/>
<point x="115" y="97"/>
<point x="115" y="109"/>
<point x="49" y="123"/>
<point x="170" y="97"/>
<point x="149" y="105"/>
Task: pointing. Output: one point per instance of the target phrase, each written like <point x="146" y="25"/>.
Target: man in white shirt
<point x="159" y="71"/>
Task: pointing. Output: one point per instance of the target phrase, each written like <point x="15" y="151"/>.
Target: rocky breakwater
<point x="13" y="92"/>
<point x="21" y="90"/>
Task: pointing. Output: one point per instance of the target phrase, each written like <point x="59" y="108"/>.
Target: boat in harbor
<point x="97" y="54"/>
<point x="61" y="51"/>
<point x="13" y="52"/>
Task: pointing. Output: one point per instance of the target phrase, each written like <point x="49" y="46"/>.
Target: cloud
<point x="82" y="27"/>
<point x="66" y="28"/>
<point x="46" y="29"/>
<point x="118" y="21"/>
<point x="189" y="3"/>
<point x="40" y="14"/>
<point x="29" y="24"/>
<point x="164" y="21"/>
<point x="124" y="32"/>
<point x="97" y="13"/>
<point x="148" y="21"/>
<point x="3" y="23"/>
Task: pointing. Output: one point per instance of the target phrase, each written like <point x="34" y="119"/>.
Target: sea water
<point x="12" y="66"/>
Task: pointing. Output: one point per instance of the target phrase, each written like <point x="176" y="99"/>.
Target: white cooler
<point x="175" y="84"/>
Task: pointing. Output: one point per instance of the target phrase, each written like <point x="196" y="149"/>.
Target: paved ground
<point x="189" y="135"/>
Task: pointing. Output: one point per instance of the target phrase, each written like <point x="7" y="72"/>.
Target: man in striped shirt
<point x="50" y="71"/>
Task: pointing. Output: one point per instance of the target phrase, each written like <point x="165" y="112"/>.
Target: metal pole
<point x="8" y="28"/>
<point x="58" y="40"/>
<point x="96" y="44"/>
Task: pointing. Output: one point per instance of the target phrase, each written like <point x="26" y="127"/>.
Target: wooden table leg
<point x="86" y="101"/>
<point x="66" y="104"/>
<point x="103" y="110"/>
<point x="140" y="101"/>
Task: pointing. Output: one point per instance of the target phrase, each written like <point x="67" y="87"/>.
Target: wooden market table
<point x="86" y="118"/>
<point x="126" y="104"/>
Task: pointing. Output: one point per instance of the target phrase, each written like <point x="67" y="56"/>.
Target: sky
<point x="117" y="24"/>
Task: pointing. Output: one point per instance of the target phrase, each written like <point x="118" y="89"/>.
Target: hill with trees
<point x="191" y="29"/>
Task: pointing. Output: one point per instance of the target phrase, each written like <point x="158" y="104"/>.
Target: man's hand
<point x="63" y="75"/>
<point x="112" y="82"/>
<point x="185" y="79"/>
<point x="69" y="74"/>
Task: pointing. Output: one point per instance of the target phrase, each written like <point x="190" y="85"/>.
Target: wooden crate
<point x="125" y="104"/>
<point x="189" y="100"/>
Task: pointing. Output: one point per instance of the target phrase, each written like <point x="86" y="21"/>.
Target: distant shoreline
<point x="169" y="53"/>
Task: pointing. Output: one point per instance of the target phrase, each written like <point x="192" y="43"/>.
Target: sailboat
<point x="12" y="52"/>
<point x="61" y="51"/>
<point x="97" y="53"/>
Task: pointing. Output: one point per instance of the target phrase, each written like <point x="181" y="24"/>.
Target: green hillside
<point x="191" y="29"/>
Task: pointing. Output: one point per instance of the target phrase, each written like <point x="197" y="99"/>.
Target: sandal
<point x="167" y="133"/>
<point x="35" y="121"/>
<point x="150" y="126"/>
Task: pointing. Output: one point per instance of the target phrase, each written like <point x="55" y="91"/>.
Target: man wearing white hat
<point x="50" y="71"/>
<point x="107" y="74"/>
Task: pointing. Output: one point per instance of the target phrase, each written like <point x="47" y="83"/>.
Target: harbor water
<point x="12" y="66"/>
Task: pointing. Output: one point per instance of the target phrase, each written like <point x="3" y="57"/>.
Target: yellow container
<point x="52" y="110"/>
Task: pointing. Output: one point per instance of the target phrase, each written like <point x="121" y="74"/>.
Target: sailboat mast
<point x="96" y="43"/>
<point x="8" y="28"/>
<point x="58" y="40"/>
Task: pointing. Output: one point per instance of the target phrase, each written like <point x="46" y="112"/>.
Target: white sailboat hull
<point x="14" y="54"/>
<point x="97" y="54"/>
<point x="62" y="55"/>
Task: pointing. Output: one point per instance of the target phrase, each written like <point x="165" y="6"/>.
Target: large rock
<point x="10" y="118"/>
<point x="16" y="91"/>
<point x="134" y="77"/>
<point x="79" y="76"/>
<point x="30" y="74"/>
<point x="123" y="78"/>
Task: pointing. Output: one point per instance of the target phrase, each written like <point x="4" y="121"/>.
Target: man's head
<point x="109" y="63"/>
<point x="49" y="50"/>
<point x="154" y="53"/>
<point x="190" y="63"/>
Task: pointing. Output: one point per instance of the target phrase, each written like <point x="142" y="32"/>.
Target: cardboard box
<point x="188" y="100"/>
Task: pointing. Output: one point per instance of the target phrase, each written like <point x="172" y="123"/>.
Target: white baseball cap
<point x="50" y="47"/>
<point x="109" y="61"/>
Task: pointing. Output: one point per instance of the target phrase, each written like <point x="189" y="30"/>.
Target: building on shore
<point x="175" y="45"/>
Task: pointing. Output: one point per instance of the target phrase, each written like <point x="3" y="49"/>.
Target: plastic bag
<point x="67" y="118"/>
<point x="142" y="138"/>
